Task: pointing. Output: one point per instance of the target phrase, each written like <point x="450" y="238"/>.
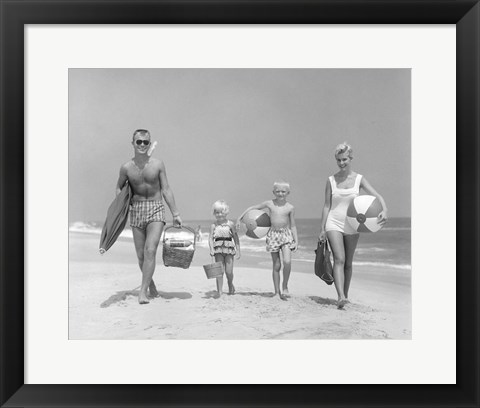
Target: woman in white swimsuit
<point x="340" y="190"/>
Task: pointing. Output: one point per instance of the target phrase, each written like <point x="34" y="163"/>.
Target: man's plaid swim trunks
<point x="276" y="238"/>
<point x="143" y="213"/>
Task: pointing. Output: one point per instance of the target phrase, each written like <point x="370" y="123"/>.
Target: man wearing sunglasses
<point x="148" y="179"/>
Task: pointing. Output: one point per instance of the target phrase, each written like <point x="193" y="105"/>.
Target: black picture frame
<point x="15" y="14"/>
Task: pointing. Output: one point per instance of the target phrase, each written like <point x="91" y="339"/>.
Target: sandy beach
<point x="103" y="300"/>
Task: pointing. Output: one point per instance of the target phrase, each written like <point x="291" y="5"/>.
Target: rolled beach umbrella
<point x="117" y="216"/>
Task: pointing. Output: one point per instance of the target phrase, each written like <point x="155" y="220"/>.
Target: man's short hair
<point x="141" y="132"/>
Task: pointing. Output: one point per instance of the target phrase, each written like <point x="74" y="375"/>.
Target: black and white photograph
<point x="266" y="197"/>
<point x="239" y="204"/>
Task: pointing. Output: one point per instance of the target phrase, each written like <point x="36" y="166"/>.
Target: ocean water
<point x="391" y="246"/>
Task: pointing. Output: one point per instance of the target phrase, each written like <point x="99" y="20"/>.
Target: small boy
<point x="282" y="235"/>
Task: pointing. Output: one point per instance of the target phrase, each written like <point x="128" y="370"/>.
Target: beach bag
<point x="178" y="246"/>
<point x="323" y="263"/>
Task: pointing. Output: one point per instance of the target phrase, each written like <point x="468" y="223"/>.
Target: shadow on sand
<point x="211" y="295"/>
<point x="323" y="301"/>
<point x="214" y="295"/>
<point x="263" y="294"/>
<point x="175" y="295"/>
<point x="122" y="295"/>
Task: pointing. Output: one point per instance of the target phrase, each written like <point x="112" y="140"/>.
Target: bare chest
<point x="279" y="212"/>
<point x="149" y="174"/>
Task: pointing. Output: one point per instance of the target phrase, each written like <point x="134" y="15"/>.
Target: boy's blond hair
<point x="281" y="183"/>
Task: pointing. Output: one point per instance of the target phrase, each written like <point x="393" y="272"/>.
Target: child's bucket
<point x="214" y="270"/>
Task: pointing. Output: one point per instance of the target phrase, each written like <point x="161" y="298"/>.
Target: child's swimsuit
<point x="341" y="198"/>
<point x="143" y="213"/>
<point x="277" y="238"/>
<point x="223" y="240"/>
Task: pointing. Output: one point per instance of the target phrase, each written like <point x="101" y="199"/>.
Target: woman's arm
<point x="383" y="216"/>
<point x="326" y="209"/>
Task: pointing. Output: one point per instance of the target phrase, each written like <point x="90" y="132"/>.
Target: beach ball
<point x="257" y="223"/>
<point x="362" y="213"/>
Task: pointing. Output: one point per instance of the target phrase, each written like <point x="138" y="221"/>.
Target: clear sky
<point x="230" y="133"/>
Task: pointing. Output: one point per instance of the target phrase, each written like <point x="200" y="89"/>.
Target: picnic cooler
<point x="213" y="270"/>
<point x="178" y="246"/>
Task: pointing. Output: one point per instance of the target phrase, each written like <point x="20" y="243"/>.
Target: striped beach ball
<point x="362" y="213"/>
<point x="257" y="223"/>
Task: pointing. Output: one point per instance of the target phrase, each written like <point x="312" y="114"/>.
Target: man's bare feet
<point x="285" y="292"/>
<point x="142" y="299"/>
<point x="231" y="289"/>
<point x="152" y="290"/>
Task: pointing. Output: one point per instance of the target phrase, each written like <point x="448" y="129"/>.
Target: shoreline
<point x="259" y="259"/>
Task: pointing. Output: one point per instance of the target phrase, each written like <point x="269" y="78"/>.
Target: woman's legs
<point x="350" y="244"/>
<point x="335" y="238"/>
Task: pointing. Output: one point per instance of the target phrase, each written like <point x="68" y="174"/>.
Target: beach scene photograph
<point x="198" y="156"/>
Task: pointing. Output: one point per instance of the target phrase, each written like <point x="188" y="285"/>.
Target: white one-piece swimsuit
<point x="341" y="198"/>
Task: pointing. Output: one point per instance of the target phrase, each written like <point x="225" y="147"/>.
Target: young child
<point x="198" y="233"/>
<point x="224" y="243"/>
<point x="282" y="235"/>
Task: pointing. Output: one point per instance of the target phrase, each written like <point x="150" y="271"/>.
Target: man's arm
<point x="122" y="178"/>
<point x="168" y="195"/>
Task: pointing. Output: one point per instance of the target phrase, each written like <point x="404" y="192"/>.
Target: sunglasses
<point x="145" y="142"/>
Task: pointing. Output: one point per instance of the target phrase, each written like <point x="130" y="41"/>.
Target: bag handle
<point x="326" y="245"/>
<point x="181" y="227"/>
